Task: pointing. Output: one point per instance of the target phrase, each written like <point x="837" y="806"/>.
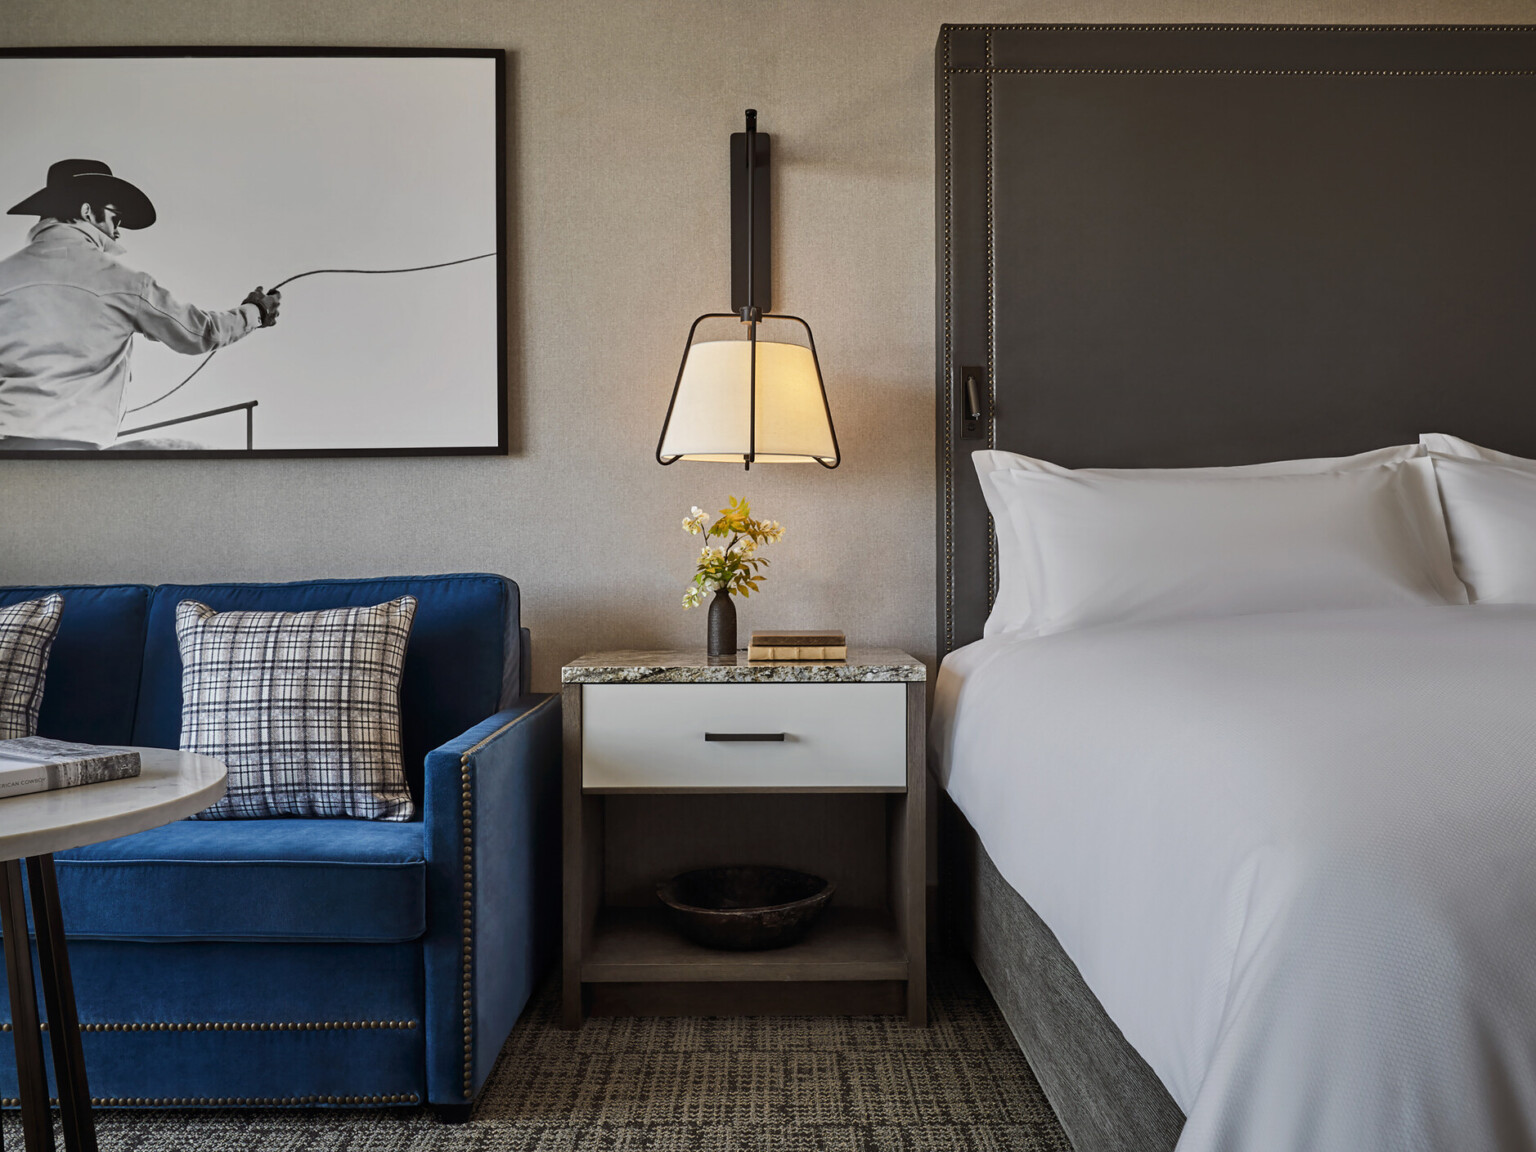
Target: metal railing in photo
<point x="248" y="407"/>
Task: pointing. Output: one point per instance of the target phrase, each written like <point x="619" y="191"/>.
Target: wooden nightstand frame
<point x="868" y="954"/>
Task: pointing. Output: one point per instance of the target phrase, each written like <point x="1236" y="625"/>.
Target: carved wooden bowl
<point x="744" y="907"/>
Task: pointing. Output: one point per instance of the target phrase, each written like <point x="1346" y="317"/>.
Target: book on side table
<point x="38" y="764"/>
<point x="801" y="644"/>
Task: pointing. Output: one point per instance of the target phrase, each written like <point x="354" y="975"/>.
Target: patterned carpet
<point x="796" y="1084"/>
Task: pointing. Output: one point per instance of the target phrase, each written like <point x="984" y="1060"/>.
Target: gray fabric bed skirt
<point x="1106" y="1096"/>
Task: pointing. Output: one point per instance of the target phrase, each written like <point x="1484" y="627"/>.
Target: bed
<point x="1248" y="880"/>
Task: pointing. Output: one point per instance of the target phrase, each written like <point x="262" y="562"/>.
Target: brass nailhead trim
<point x="467" y="921"/>
<point x="949" y="357"/>
<point x="467" y="898"/>
<point x="991" y="331"/>
<point x="1077" y="26"/>
<point x="1250" y="71"/>
<point x="233" y="1101"/>
<point x="244" y="1026"/>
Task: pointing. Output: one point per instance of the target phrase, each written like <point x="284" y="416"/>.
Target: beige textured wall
<point x="618" y="114"/>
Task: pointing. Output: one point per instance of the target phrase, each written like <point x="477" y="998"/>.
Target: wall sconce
<point x="747" y="399"/>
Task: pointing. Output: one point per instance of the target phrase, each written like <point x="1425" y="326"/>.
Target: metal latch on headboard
<point x="972" y="403"/>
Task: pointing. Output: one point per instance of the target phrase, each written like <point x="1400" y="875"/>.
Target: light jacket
<point x="69" y="310"/>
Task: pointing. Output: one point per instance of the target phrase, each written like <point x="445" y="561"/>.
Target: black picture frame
<point x="31" y="119"/>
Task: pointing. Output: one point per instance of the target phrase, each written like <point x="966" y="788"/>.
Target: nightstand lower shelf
<point x="639" y="945"/>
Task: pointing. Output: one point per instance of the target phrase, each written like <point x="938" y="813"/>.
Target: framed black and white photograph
<point x="261" y="252"/>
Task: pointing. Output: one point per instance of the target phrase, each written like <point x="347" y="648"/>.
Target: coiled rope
<point x="300" y="276"/>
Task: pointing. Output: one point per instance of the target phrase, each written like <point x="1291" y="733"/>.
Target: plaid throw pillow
<point x="303" y="708"/>
<point x="26" y="635"/>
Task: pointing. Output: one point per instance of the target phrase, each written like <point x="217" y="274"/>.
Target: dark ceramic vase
<point x="722" y="625"/>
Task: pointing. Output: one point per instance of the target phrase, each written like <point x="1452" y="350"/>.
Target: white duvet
<point x="1294" y="855"/>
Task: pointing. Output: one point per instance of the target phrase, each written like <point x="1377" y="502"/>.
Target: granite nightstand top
<point x="863" y="666"/>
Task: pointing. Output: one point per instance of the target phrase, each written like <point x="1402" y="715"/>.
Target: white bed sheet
<point x="1294" y="855"/>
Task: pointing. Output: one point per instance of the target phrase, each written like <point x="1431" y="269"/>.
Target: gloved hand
<point x="267" y="303"/>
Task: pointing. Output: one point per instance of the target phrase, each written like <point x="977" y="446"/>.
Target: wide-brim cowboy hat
<point x="72" y="183"/>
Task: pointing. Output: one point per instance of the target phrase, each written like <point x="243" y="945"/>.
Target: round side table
<point x="170" y="785"/>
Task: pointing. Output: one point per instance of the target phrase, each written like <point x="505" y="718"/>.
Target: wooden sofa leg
<point x="453" y="1113"/>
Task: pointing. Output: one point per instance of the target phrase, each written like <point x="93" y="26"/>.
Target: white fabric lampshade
<point x="709" y="415"/>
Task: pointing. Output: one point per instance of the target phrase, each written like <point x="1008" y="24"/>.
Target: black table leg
<point x="59" y="999"/>
<point x="32" y="1080"/>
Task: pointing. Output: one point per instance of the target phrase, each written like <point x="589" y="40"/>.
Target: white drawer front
<point x="653" y="735"/>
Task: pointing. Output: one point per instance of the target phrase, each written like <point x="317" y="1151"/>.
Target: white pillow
<point x="1490" y="510"/>
<point x="1011" y="604"/>
<point x="1105" y="549"/>
<point x="1440" y="444"/>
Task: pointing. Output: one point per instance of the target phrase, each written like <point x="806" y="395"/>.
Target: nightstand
<point x="830" y="779"/>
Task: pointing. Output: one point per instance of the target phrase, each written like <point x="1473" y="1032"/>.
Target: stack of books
<point x="37" y="764"/>
<point x="805" y="644"/>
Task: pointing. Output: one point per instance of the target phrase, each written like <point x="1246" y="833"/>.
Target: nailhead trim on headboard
<point x="1499" y="29"/>
<point x="991" y="71"/>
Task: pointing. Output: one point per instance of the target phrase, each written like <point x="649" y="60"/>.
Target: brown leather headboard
<point x="1166" y="245"/>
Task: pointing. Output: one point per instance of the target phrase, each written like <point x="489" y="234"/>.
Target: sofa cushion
<point x="303" y="708"/>
<point x="278" y="880"/>
<point x="27" y="630"/>
<point x="92" y="688"/>
<point x="461" y="665"/>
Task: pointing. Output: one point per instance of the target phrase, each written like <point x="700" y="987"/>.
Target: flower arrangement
<point x="733" y="567"/>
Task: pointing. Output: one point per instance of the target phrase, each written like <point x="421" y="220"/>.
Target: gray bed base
<point x="1105" y="1095"/>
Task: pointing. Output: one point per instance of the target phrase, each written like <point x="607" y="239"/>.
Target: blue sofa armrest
<point x="491" y="801"/>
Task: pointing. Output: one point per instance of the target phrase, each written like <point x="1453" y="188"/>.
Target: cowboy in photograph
<point x="69" y="310"/>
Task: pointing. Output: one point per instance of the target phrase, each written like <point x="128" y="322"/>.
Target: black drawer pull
<point x="713" y="736"/>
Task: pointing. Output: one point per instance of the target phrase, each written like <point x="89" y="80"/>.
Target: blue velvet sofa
<point x="313" y="963"/>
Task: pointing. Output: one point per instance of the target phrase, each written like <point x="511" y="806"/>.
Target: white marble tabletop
<point x="169" y="786"/>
